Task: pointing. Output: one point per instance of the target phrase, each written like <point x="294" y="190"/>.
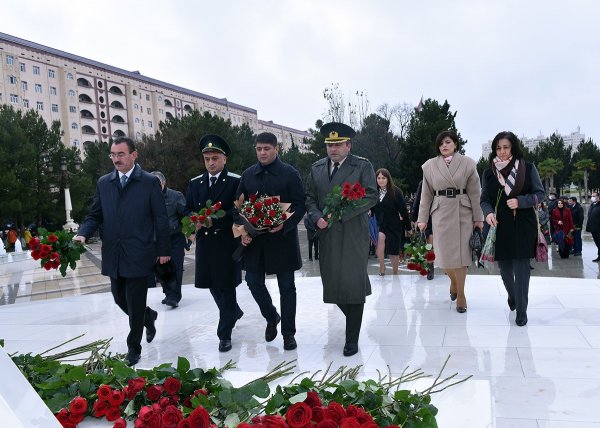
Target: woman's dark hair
<point x="390" y="181"/>
<point x="440" y="137"/>
<point x="515" y="147"/>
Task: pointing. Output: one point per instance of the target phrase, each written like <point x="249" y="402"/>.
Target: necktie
<point x="336" y="165"/>
<point x="213" y="181"/>
<point x="123" y="181"/>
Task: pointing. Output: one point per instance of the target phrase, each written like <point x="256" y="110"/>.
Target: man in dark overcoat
<point x="344" y="247"/>
<point x="276" y="252"/>
<point x="215" y="269"/>
<point x="130" y="211"/>
<point x="593" y="223"/>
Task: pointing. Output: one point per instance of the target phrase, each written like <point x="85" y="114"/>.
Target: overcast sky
<point x="529" y="66"/>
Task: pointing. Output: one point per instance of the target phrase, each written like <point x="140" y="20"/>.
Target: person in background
<point x="577" y="214"/>
<point x="451" y="194"/>
<point x="593" y="223"/>
<point x="130" y="210"/>
<point x="552" y="202"/>
<point x="562" y="224"/>
<point x="544" y="218"/>
<point x="11" y="238"/>
<point x="514" y="186"/>
<point x="344" y="244"/>
<point x="313" y="238"/>
<point x="392" y="218"/>
<point x="175" y="203"/>
<point x="27" y="236"/>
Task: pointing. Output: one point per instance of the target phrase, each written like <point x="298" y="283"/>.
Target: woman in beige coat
<point x="451" y="193"/>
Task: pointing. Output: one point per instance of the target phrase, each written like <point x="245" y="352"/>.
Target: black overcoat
<point x="388" y="213"/>
<point x="516" y="234"/>
<point x="275" y="252"/>
<point x="133" y="223"/>
<point x="214" y="266"/>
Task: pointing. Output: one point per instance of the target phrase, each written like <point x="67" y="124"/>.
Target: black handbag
<point x="476" y="243"/>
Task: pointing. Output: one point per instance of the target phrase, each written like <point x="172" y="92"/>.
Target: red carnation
<point x="52" y="238"/>
<point x="430" y="256"/>
<point x="172" y="385"/>
<point x="116" y="398"/>
<point x="312" y="399"/>
<point x="298" y="415"/>
<point x="78" y="405"/>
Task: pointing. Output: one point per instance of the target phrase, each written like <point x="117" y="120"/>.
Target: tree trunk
<point x="585" y="182"/>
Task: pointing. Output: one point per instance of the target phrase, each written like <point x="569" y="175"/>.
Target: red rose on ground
<point x="298" y="415"/>
<point x="120" y="423"/>
<point x="100" y="408"/>
<point x="335" y="411"/>
<point x="154" y="392"/>
<point x="370" y="424"/>
<point x="55" y="263"/>
<point x="48" y="265"/>
<point x="244" y="425"/>
<point x="184" y="424"/>
<point x="171" y="417"/>
<point x="274" y="421"/>
<point x="78" y="405"/>
<point x="318" y="413"/>
<point x="350" y="422"/>
<point x="75" y="419"/>
<point x="312" y="399"/>
<point x="62" y="416"/>
<point x="116" y="398"/>
<point x="146" y="413"/>
<point x="129" y="393"/>
<point x="137" y="384"/>
<point x="164" y="402"/>
<point x="199" y="418"/>
<point x="364" y="417"/>
<point x="33" y="243"/>
<point x="113" y="414"/>
<point x="52" y="238"/>
<point x="430" y="256"/>
<point x="104" y="392"/>
<point x="327" y="423"/>
<point x="172" y="385"/>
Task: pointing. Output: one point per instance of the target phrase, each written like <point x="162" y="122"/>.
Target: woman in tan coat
<point x="452" y="189"/>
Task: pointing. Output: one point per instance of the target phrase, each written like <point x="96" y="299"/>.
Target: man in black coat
<point x="593" y="223"/>
<point x="577" y="214"/>
<point x="130" y="211"/>
<point x="215" y="269"/>
<point x="276" y="252"/>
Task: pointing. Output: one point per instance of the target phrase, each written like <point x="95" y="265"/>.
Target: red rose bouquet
<point x="193" y="221"/>
<point x="341" y="200"/>
<point x="420" y="254"/>
<point x="56" y="250"/>
<point x="264" y="212"/>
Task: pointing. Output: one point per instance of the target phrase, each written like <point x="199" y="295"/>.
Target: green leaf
<point x="77" y="373"/>
<point x="298" y="398"/>
<point x="57" y="402"/>
<point x="349" y="385"/>
<point x="274" y="403"/>
<point x="225" y="397"/>
<point x="232" y="420"/>
<point x="183" y="365"/>
<point x="260" y="388"/>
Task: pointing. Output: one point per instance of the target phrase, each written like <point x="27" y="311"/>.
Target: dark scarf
<point x="519" y="179"/>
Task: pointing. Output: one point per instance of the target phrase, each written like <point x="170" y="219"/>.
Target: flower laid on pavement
<point x="190" y="223"/>
<point x="56" y="250"/>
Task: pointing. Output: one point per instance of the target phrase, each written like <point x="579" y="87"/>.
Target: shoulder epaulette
<point x="196" y="177"/>
<point x="233" y="174"/>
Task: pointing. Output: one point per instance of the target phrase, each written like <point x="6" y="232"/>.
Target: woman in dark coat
<point x="392" y="218"/>
<point x="562" y="224"/>
<point x="512" y="187"/>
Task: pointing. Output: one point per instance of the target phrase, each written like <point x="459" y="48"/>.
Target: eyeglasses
<point x="119" y="155"/>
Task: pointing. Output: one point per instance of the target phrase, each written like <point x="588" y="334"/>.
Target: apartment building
<point x="571" y="140"/>
<point x="95" y="101"/>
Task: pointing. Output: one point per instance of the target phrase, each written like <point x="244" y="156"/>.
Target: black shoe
<point x="521" y="319"/>
<point x="511" y="304"/>
<point x="577" y="254"/>
<point x="289" y="342"/>
<point x="597" y="259"/>
<point x="316" y="257"/>
<point x="350" y="349"/>
<point x="132" y="358"/>
<point x="238" y="315"/>
<point x="453" y="296"/>
<point x="531" y="267"/>
<point x="151" y="328"/>
<point x="164" y="301"/>
<point x="310" y="259"/>
<point x="224" y="345"/>
<point x="188" y="245"/>
<point x="430" y="274"/>
<point x="461" y="309"/>
<point x="271" y="330"/>
<point x="171" y="303"/>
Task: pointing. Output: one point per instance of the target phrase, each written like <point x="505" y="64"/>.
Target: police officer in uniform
<point x="215" y="269"/>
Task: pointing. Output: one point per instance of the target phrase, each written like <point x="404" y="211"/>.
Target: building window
<point x="178" y="103"/>
<point x="12" y="80"/>
<point x="134" y="93"/>
<point x="55" y="108"/>
<point x="51" y="74"/>
<point x="135" y="106"/>
<point x="161" y="111"/>
<point x="26" y="103"/>
<point x="9" y="59"/>
<point x="149" y="110"/>
<point x="14" y="98"/>
<point x="69" y="76"/>
<point x="22" y="67"/>
<point x="75" y="143"/>
<point x="137" y="120"/>
<point x="160" y="98"/>
<point x="74" y="126"/>
<point x="38" y="88"/>
<point x="147" y="97"/>
<point x="71" y="93"/>
<point x="36" y="70"/>
<point x="53" y="90"/>
<point x="149" y="124"/>
<point x="23" y="86"/>
<point x="138" y="135"/>
<point x="40" y="105"/>
<point x="72" y="109"/>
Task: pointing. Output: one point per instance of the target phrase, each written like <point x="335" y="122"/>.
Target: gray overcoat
<point x="452" y="218"/>
<point x="344" y="248"/>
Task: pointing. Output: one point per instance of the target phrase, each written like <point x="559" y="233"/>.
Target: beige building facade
<point x="96" y="102"/>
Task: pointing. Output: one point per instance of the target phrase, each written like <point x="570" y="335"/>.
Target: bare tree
<point x="345" y="109"/>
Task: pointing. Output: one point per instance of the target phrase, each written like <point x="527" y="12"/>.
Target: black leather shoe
<point x="511" y="304"/>
<point x="521" y="319"/>
<point x="310" y="259"/>
<point x="289" y="343"/>
<point x="132" y="358"/>
<point x="271" y="330"/>
<point x="597" y="259"/>
<point x="350" y="349"/>
<point x="171" y="303"/>
<point x="453" y="296"/>
<point x="164" y="301"/>
<point x="461" y="309"/>
<point x="151" y="329"/>
<point x="224" y="345"/>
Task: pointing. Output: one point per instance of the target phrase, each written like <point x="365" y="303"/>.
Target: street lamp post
<point x="70" y="225"/>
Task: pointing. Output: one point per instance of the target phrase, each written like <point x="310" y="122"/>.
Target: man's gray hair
<point x="160" y="176"/>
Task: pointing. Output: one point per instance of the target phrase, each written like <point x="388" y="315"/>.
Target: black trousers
<point x="130" y="295"/>
<point x="596" y="236"/>
<point x="228" y="311"/>
<point x="354" y="313"/>
<point x="178" y="242"/>
<point x="313" y="242"/>
<point x="515" y="275"/>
